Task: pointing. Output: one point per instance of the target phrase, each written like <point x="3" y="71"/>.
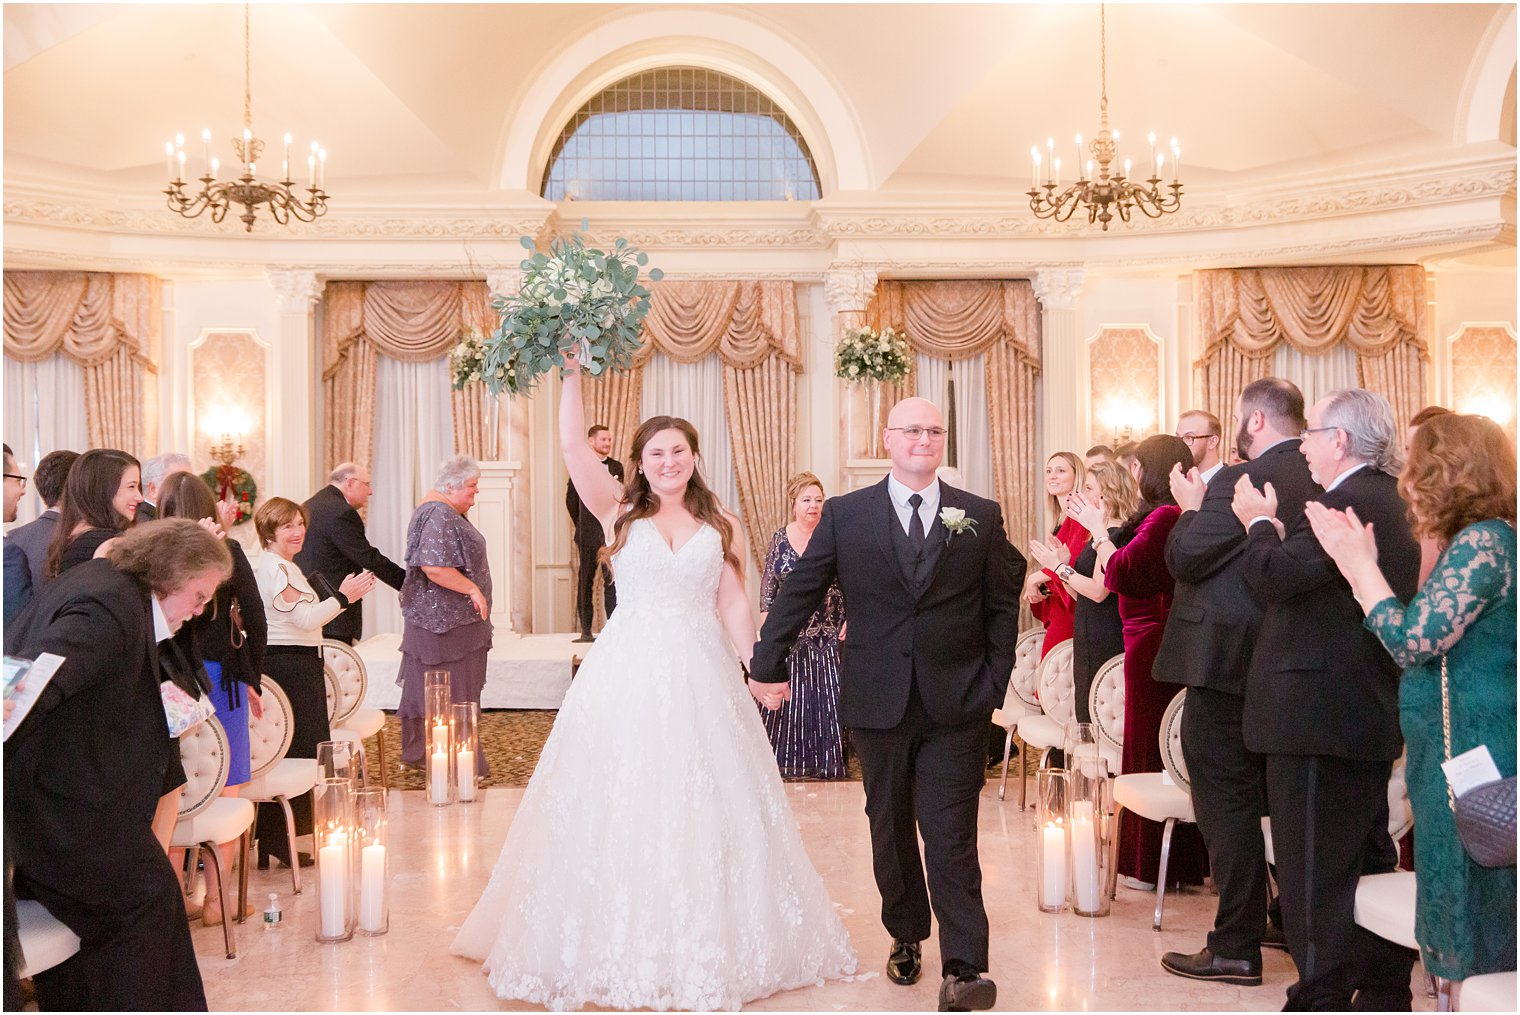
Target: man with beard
<point x="1210" y="636"/>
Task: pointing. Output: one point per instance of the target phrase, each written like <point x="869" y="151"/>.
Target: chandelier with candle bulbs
<point x="1104" y="186"/>
<point x="218" y="196"/>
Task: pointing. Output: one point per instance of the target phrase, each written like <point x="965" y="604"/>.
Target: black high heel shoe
<point x="305" y="860"/>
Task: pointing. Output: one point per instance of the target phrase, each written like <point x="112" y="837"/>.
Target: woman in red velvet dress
<point x="1048" y="599"/>
<point x="1135" y="568"/>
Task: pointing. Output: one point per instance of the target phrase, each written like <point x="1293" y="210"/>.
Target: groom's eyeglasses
<point x="913" y="433"/>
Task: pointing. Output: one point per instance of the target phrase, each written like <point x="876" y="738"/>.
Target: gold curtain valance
<point x="92" y="318"/>
<point x="408" y="321"/>
<point x="1373" y="309"/>
<point x="956" y="320"/>
<point x="744" y="322"/>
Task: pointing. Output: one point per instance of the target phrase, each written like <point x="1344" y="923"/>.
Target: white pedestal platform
<point x="531" y="671"/>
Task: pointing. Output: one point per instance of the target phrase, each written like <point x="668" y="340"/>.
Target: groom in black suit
<point x="931" y="587"/>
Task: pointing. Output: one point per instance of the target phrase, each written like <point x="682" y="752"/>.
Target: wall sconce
<point x="230" y="425"/>
<point x="1496" y="407"/>
<point x="1126" y="417"/>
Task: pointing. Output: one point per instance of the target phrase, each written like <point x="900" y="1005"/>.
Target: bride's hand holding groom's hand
<point x="770" y="695"/>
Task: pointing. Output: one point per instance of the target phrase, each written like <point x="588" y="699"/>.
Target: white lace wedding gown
<point x="654" y="860"/>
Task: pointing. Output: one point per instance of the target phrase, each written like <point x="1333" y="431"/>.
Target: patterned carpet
<point x="512" y="740"/>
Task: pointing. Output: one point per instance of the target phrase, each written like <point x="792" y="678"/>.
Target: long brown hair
<point x="89" y="496"/>
<point x="642" y="502"/>
<point x="1461" y="471"/>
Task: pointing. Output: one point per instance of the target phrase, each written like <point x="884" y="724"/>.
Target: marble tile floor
<point x="442" y="857"/>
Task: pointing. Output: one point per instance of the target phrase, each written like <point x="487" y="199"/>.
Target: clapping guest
<point x="1321" y="703"/>
<point x="1049" y="600"/>
<point x="293" y="656"/>
<point x="229" y="639"/>
<point x="805" y="731"/>
<point x="34" y="538"/>
<point x="86" y="767"/>
<point x="445" y="602"/>
<point x="1097" y="628"/>
<point x="1459" y="629"/>
<point x="336" y="544"/>
<point x="1134" y="565"/>
<point x="1201" y="432"/>
<point x="100" y="499"/>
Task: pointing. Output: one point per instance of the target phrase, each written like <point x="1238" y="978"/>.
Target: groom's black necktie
<point x="916" y="526"/>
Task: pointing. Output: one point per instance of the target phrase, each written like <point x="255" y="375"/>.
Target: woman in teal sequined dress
<point x="1460" y="484"/>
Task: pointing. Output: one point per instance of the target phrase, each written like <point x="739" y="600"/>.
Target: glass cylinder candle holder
<point x="1079" y="747"/>
<point x="333" y="830"/>
<point x="372" y="829"/>
<point x="338" y="759"/>
<point x="1052" y="848"/>
<point x="466" y="749"/>
<point x="1089" y="804"/>
<point x="438" y="737"/>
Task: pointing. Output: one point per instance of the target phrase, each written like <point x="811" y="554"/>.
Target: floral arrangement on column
<point x="467" y="359"/>
<point x="865" y="355"/>
<point x="230" y="483"/>
<point x="572" y="297"/>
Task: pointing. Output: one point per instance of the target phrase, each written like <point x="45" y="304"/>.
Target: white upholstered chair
<point x="1487" y="992"/>
<point x="207" y="819"/>
<point x="1160" y="796"/>
<point x="275" y="778"/>
<point x="1057" y="700"/>
<point x="45" y="941"/>
<point x="1021" y="699"/>
<point x="348" y="717"/>
<point x="1105" y="707"/>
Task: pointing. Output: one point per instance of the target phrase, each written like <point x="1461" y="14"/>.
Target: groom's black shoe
<point x="905" y="965"/>
<point x="1205" y="965"/>
<point x="967" y="992"/>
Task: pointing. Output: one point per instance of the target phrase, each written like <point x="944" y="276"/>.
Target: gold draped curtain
<point x="409" y="321"/>
<point x="752" y="327"/>
<point x="110" y="325"/>
<point x="1378" y="310"/>
<point x="956" y="320"/>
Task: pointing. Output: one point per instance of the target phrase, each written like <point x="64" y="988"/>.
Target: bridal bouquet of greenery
<point x="866" y="355"/>
<point x="572" y="297"/>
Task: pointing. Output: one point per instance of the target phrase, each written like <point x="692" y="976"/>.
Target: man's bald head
<point x="915" y="456"/>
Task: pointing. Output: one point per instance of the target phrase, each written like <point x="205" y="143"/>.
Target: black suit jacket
<point x="1212" y="628"/>
<point x="145" y="512"/>
<point x="955" y="637"/>
<point x="335" y="548"/>
<point x="85" y="769"/>
<point x="34" y="538"/>
<point x="588" y="530"/>
<point x="1319" y="682"/>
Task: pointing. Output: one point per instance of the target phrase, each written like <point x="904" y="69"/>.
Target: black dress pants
<point x="924" y="778"/>
<point x="1229" y="798"/>
<point x="1330" y="827"/>
<point x="585" y="585"/>
<point x="298" y="670"/>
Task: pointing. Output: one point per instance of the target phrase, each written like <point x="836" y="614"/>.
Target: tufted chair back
<point x="1105" y="702"/>
<point x="1400" y="816"/>
<point x="203" y="752"/>
<point x="347" y="680"/>
<point x="269" y="735"/>
<point x="1026" y="668"/>
<point x="1058" y="684"/>
<point x="1171" y="742"/>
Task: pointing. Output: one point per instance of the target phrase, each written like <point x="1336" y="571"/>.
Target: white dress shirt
<point x="1338" y="480"/>
<point x="161" y="631"/>
<point x="900" y="493"/>
<point x="1208" y="473"/>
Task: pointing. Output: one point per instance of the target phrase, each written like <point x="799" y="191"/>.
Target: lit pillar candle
<point x="333" y="873"/>
<point x="372" y="889"/>
<point x="466" y="774"/>
<point x="1176" y="159"/>
<point x="1084" y="856"/>
<point x="181" y="158"/>
<point x="438" y="777"/>
<point x="1053" y="865"/>
<point x="216" y="167"/>
<point x="440" y="737"/>
<point x="311" y="170"/>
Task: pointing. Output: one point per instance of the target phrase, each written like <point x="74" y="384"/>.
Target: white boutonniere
<point x="956" y="521"/>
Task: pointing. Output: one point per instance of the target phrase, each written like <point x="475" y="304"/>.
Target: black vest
<point x="917" y="567"/>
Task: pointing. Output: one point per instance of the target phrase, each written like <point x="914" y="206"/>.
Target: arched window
<point x="681" y="134"/>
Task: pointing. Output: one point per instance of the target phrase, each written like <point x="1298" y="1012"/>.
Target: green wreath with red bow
<point x="228" y="482"/>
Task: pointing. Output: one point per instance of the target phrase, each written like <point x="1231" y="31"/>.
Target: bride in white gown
<point x="654" y="861"/>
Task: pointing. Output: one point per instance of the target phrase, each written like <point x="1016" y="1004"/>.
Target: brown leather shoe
<point x="967" y="993"/>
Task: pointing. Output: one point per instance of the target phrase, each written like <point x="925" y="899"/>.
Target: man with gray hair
<point x="154" y="471"/>
<point x="336" y="545"/>
<point x="1321" y="704"/>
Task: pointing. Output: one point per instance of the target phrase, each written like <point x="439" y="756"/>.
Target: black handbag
<point x="1484" y="815"/>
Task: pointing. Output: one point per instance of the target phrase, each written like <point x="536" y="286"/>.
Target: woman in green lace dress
<point x="1460" y="485"/>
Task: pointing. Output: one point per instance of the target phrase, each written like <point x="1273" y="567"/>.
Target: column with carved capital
<point x="514" y="447"/>
<point x="1062" y="381"/>
<point x="848" y="290"/>
<point x="295" y="459"/>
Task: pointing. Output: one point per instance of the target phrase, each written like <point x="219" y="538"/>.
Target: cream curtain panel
<point x="1244" y="314"/>
<point x="107" y="323"/>
<point x="412" y="322"/>
<point x="1000" y="319"/>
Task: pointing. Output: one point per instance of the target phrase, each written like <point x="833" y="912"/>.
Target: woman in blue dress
<point x="805" y="731"/>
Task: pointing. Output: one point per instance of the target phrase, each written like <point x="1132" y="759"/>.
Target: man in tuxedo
<point x="154" y="471"/>
<point x="337" y="547"/>
<point x="931" y="588"/>
<point x="36" y="536"/>
<point x="86" y="767"/>
<point x="589" y="539"/>
<point x="1201" y="432"/>
<point x="1210" y="635"/>
<point x="1321" y="702"/>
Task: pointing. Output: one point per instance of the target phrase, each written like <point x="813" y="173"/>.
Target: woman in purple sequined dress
<point x="805" y="731"/>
